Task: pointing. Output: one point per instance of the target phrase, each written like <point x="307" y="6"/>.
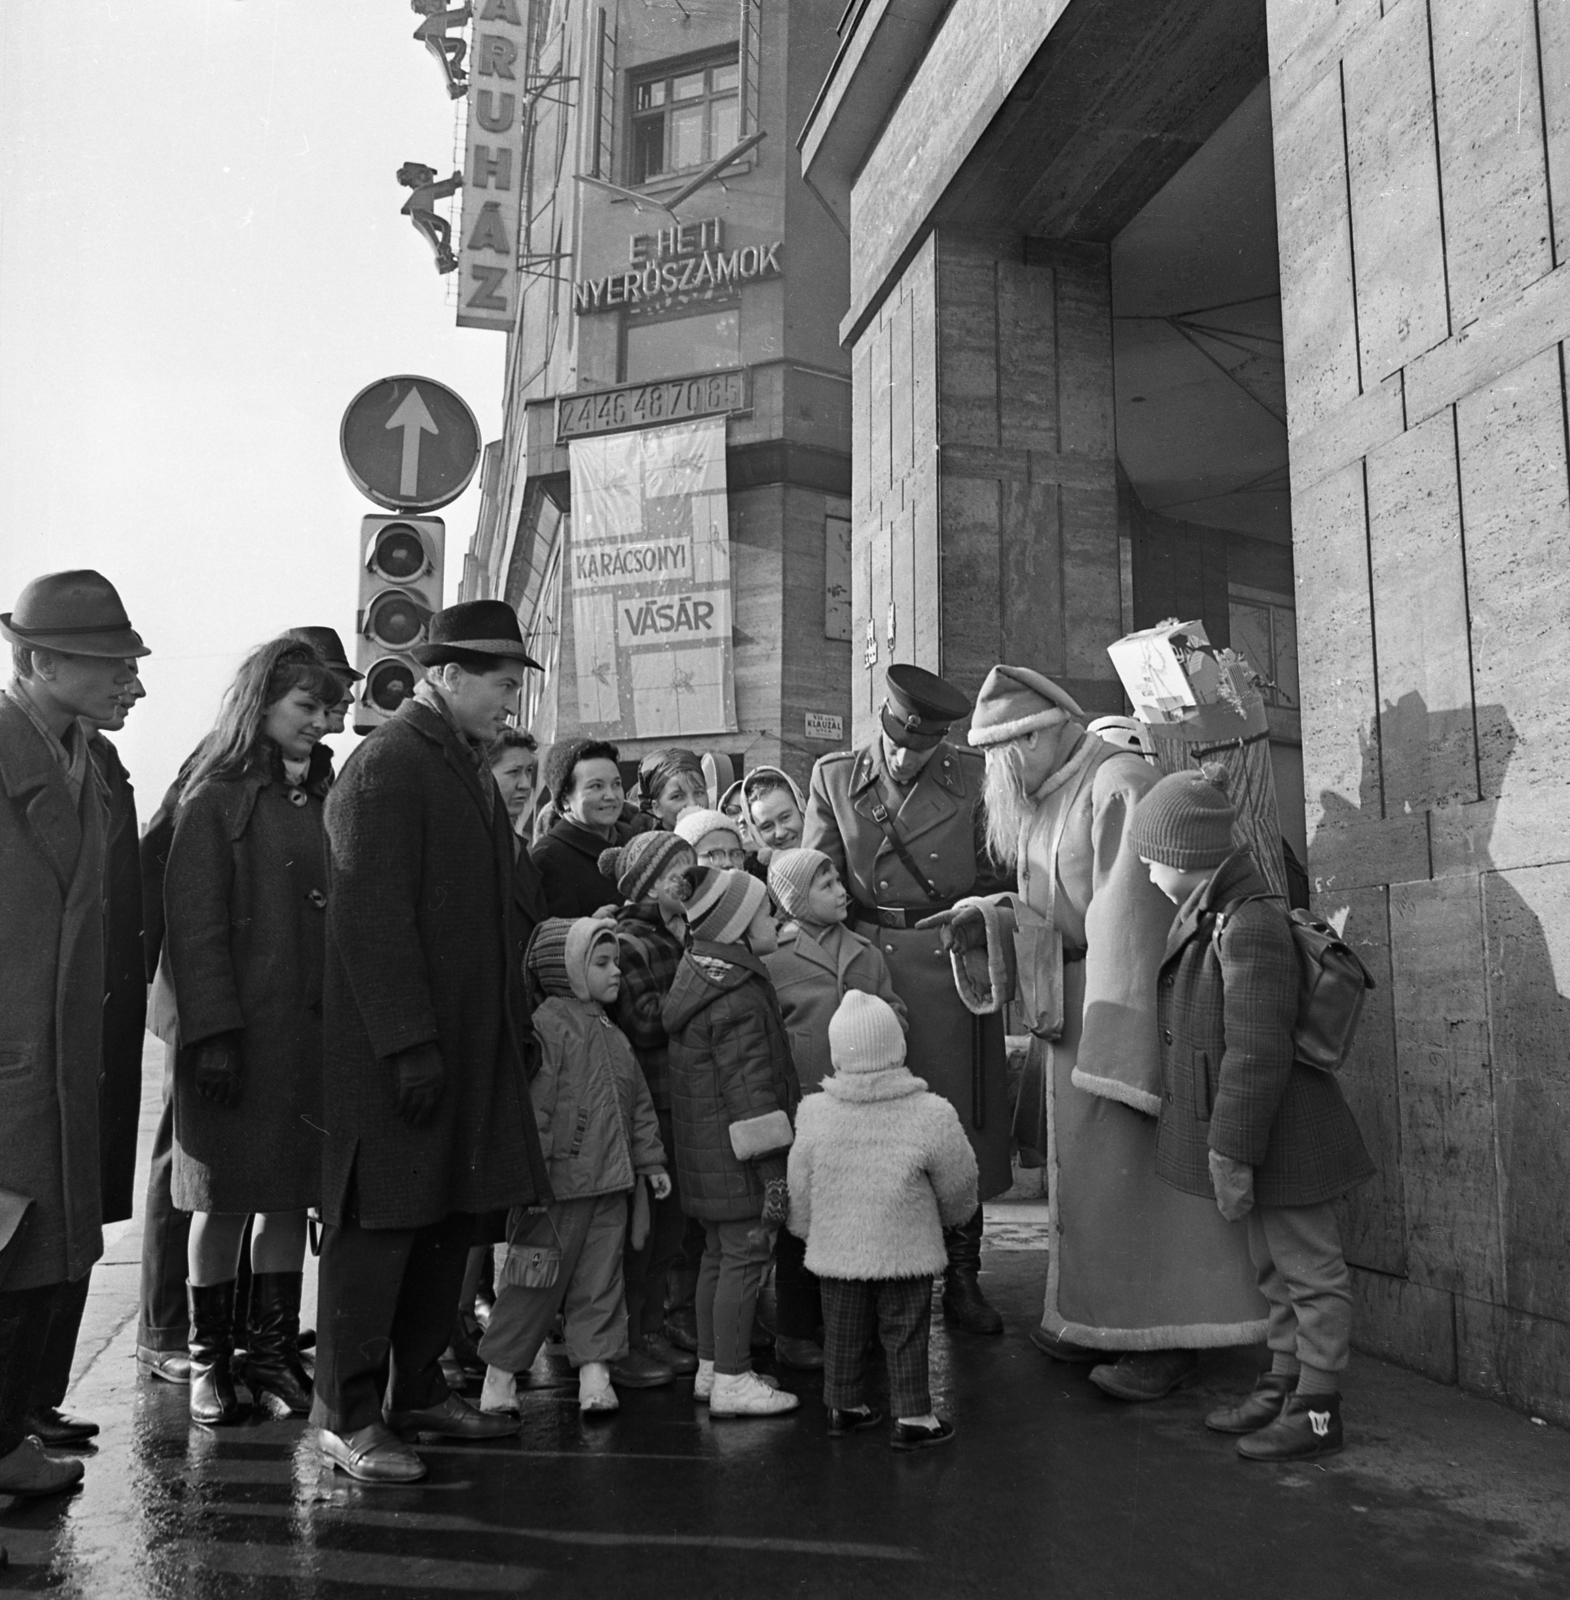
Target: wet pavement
<point x="1048" y="1489"/>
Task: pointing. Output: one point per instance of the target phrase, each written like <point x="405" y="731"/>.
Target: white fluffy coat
<point x="879" y="1168"/>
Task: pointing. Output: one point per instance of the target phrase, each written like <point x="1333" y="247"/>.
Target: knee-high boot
<point x="272" y="1351"/>
<point x="963" y="1302"/>
<point x="213" y="1400"/>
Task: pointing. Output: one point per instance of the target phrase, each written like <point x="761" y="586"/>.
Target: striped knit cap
<point x="546" y="956"/>
<point x="638" y="865"/>
<point x="1185" y="821"/>
<point x="791" y="873"/>
<point x="723" y="903"/>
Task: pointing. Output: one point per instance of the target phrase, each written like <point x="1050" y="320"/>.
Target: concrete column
<point x="984" y="483"/>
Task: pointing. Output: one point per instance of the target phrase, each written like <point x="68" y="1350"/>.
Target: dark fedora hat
<point x="329" y="647"/>
<point x="479" y="627"/>
<point x="79" y="613"/>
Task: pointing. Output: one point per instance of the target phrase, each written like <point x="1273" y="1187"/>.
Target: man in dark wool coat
<point x="425" y="1098"/>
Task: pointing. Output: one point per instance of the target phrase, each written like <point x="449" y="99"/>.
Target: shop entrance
<point x="1204" y="506"/>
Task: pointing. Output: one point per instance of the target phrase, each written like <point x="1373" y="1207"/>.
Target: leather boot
<point x="963" y="1303"/>
<point x="272" y="1353"/>
<point x="1258" y="1411"/>
<point x="213" y="1400"/>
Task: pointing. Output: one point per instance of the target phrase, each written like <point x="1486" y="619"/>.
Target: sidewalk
<point x="1048" y="1489"/>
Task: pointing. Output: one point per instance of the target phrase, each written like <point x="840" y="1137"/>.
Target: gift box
<point x="1174" y="675"/>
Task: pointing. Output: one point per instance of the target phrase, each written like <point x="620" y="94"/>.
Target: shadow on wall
<point x="1461" y="1074"/>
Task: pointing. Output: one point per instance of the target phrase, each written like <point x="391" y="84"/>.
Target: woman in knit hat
<point x="879" y="1169"/>
<point x="715" y="838"/>
<point x="819" y="959"/>
<point x="733" y="1090"/>
<point x="1242" y="1119"/>
<point x="600" y="1137"/>
<point x="651" y="932"/>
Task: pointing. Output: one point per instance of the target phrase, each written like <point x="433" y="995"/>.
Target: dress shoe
<point x="682" y="1362"/>
<point x="1146" y="1374"/>
<point x="1259" y="1410"/>
<point x="802" y="1354"/>
<point x="54" y="1428"/>
<point x="373" y="1454"/>
<point x="635" y="1370"/>
<point x="1061" y="1349"/>
<point x="1309" y="1426"/>
<point x="681" y="1327"/>
<point x="173" y="1366"/>
<point x="28" y="1470"/>
<point x="915" y="1436"/>
<point x="454" y="1418"/>
<point x="852" y="1419"/>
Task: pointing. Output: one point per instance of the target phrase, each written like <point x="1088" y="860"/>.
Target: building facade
<point x="636" y="274"/>
<point x="1253" y="310"/>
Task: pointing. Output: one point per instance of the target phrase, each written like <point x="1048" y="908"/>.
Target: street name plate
<point x="647" y="405"/>
<point x="825" y="725"/>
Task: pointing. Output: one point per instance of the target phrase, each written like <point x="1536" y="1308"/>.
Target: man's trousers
<point x="165" y="1318"/>
<point x="24" y="1337"/>
<point x="384" y="1314"/>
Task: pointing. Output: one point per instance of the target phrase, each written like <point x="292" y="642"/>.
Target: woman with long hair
<point x="245" y="898"/>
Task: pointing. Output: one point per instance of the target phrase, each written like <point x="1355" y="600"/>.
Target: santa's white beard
<point x="1008" y="806"/>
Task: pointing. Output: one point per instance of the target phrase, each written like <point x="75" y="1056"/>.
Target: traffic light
<point x="400" y="586"/>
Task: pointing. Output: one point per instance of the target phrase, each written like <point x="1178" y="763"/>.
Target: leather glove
<point x="216" y="1067"/>
<point x="962" y="930"/>
<point x="660" y="1183"/>
<point x="420" y="1079"/>
<point x="1233" y="1182"/>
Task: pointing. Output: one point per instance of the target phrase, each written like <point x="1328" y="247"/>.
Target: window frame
<point x="705" y="308"/>
<point x="669" y="69"/>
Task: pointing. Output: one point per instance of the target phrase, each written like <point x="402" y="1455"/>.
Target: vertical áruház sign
<point x="493" y="167"/>
<point x="648" y="561"/>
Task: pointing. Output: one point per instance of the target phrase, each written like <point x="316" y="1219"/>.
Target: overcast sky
<point x="201" y="263"/>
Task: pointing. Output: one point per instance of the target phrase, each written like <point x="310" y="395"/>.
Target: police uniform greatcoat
<point x="940" y="820"/>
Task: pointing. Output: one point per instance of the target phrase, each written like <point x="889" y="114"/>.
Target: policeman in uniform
<point x="902" y="820"/>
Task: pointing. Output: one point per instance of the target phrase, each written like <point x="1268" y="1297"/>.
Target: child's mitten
<point x="776" y="1202"/>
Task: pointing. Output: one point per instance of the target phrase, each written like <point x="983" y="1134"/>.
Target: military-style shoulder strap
<point x="880" y="815"/>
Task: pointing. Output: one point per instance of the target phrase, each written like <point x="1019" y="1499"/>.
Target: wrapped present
<point x="1204" y="704"/>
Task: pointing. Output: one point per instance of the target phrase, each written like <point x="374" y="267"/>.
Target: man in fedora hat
<point x="901" y="819"/>
<point x="429" y="1125"/>
<point x="330" y="648"/>
<point x="74" y="657"/>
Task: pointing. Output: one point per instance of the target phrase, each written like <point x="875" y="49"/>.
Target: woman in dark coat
<point x="586" y="789"/>
<point x="245" y="900"/>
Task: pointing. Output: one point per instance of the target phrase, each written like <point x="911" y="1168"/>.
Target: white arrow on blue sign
<point x="409" y="443"/>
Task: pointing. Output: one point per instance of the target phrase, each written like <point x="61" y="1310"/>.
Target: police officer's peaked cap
<point x="476" y="627"/>
<point x="920" y="706"/>
<point x="329" y="647"/>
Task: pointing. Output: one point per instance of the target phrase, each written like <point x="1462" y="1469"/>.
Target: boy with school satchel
<point x="1243" y="1118"/>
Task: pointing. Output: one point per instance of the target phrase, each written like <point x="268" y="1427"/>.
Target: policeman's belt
<point x="900" y="916"/>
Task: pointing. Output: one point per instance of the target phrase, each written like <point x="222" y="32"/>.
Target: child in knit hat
<point x="879" y="1168"/>
<point x="651" y="933"/>
<point x="818" y="960"/>
<point x="599" y="1136"/>
<point x="733" y="1090"/>
<point x="714" y="837"/>
<point x="1241" y="1119"/>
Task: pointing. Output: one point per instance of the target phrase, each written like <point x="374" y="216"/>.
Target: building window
<point x="1264" y="633"/>
<point x="675" y="346"/>
<point x="685" y="119"/>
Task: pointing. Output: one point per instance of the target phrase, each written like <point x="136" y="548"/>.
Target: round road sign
<point x="410" y="444"/>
